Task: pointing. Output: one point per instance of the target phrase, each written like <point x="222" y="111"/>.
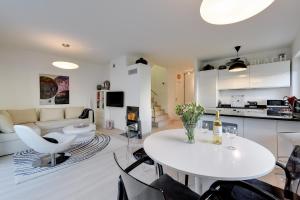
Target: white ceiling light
<point x="65" y="65"/>
<point x="221" y="12"/>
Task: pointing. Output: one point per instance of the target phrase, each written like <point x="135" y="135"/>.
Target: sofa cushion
<point x="23" y="116"/>
<point x="5" y="137"/>
<point x="73" y="112"/>
<point x="51" y="114"/>
<point x="6" y="124"/>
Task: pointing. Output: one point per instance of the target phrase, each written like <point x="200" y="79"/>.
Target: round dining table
<point x="209" y="162"/>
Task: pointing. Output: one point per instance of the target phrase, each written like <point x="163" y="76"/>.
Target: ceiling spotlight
<point x="65" y="65"/>
<point x="222" y="12"/>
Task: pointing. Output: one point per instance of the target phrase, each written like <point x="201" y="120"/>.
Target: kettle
<point x="291" y="101"/>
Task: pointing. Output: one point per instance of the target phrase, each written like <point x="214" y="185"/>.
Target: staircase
<point x="159" y="117"/>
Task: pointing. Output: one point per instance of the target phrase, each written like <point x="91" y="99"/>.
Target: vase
<point x="189" y="131"/>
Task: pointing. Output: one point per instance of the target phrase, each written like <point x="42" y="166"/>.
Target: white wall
<point x="159" y="80"/>
<point x="120" y="81"/>
<point x="118" y="78"/>
<point x="175" y="91"/>
<point x="19" y="78"/>
<point x="295" y="90"/>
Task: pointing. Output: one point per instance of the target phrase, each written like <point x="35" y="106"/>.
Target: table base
<point x="202" y="184"/>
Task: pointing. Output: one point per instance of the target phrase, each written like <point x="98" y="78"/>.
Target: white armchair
<point x="55" y="148"/>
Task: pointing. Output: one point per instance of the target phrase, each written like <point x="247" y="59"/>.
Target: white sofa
<point x="42" y="120"/>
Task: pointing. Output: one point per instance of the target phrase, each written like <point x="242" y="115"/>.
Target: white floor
<point x="95" y="178"/>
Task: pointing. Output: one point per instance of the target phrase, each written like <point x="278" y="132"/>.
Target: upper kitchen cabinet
<point x="208" y="88"/>
<point x="270" y="75"/>
<point x="233" y="80"/>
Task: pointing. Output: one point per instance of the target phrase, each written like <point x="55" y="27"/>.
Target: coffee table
<point x="80" y="130"/>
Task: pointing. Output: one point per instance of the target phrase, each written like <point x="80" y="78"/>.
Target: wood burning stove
<point x="133" y="122"/>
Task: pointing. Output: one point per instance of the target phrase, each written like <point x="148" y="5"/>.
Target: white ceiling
<point x="168" y="32"/>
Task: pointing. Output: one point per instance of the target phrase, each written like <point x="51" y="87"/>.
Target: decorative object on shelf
<point x="208" y="67"/>
<point x="236" y="64"/>
<point x="99" y="87"/>
<point x="109" y="124"/>
<point x="100" y="99"/>
<point x="189" y="114"/>
<point x="282" y="57"/>
<point x="54" y="89"/>
<point x="106" y="85"/>
<point x="222" y="67"/>
<point x="142" y="61"/>
<point x="221" y="12"/>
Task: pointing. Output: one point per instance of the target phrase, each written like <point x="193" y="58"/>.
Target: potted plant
<point x="189" y="115"/>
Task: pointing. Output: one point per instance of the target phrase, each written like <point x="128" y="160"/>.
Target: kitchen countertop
<point x="255" y="115"/>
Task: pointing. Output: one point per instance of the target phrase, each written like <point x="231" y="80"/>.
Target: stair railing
<point x="153" y="106"/>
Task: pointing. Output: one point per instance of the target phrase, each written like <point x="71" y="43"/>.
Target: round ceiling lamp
<point x="65" y="65"/>
<point x="221" y="12"/>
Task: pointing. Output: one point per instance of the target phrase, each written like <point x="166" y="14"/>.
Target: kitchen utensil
<point x="221" y="67"/>
<point x="208" y="67"/>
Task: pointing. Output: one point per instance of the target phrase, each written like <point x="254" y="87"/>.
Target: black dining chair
<point x="292" y="173"/>
<point x="166" y="188"/>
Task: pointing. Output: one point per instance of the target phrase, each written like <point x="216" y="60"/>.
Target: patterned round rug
<point x="81" y="150"/>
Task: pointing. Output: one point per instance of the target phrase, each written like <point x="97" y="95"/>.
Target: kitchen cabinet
<point x="263" y="132"/>
<point x="226" y="121"/>
<point x="270" y="75"/>
<point x="233" y="80"/>
<point x="288" y="136"/>
<point x="239" y="122"/>
<point x="208" y="88"/>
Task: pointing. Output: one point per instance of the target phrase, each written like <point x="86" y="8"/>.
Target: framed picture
<point x="54" y="89"/>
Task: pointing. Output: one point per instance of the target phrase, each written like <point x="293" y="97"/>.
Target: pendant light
<point x="237" y="65"/>
<point x="63" y="64"/>
<point x="220" y="12"/>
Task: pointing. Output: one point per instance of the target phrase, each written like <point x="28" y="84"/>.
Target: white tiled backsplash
<point x="237" y="101"/>
<point x="259" y="95"/>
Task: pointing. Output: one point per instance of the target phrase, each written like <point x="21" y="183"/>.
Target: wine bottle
<point x="217" y="129"/>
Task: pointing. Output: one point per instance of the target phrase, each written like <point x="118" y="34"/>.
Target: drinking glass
<point x="232" y="132"/>
<point x="205" y="127"/>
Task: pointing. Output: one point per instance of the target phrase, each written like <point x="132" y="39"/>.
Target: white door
<point x="189" y="87"/>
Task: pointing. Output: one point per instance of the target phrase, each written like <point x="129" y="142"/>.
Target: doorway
<point x="189" y="89"/>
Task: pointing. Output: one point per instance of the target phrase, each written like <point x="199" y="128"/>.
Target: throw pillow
<point x="23" y="116"/>
<point x="6" y="124"/>
<point x="51" y="114"/>
<point x="73" y="112"/>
